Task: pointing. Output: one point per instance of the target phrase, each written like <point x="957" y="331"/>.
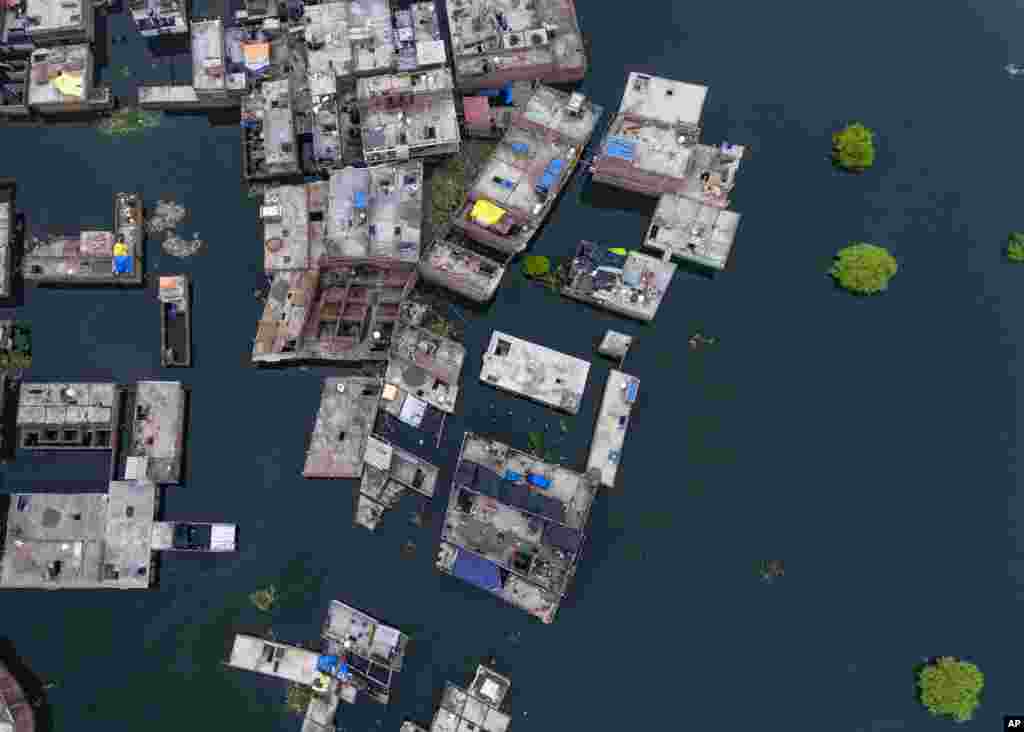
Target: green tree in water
<point x="535" y="266"/>
<point x="951" y="688"/>
<point x="863" y="268"/>
<point x="1015" y="247"/>
<point x="853" y="148"/>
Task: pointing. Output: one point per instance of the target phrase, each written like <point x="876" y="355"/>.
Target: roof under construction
<point x="685" y="228"/>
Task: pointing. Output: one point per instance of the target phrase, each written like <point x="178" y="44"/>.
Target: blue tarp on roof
<point x="620" y="147"/>
<point x="477" y="571"/>
<point x="360" y="199"/>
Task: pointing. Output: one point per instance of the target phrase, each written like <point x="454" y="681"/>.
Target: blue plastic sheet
<point x="477" y="570"/>
<point x="360" y="199"/>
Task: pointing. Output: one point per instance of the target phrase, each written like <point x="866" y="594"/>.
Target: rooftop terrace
<point x="687" y="229"/>
<point x="279" y="660"/>
<point x="426" y="365"/>
<point x="536" y="372"/>
<point x="348" y="408"/>
<point x="209" y="69"/>
<point x="462" y="270"/>
<point x="496" y="41"/>
<point x="631" y="284"/>
<point x="517" y="512"/>
<point x="519" y="183"/>
<point x="408" y="114"/>
<point x="61" y="76"/>
<point x="80" y="541"/>
<point x="375" y="212"/>
<point x="287" y="227"/>
<point x="60" y="20"/>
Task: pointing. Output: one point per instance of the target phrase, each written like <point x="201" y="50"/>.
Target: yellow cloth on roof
<point x="69" y="84"/>
<point x="486" y="213"/>
<point x="120" y="250"/>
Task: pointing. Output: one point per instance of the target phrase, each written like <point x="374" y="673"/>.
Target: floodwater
<point x="871" y="443"/>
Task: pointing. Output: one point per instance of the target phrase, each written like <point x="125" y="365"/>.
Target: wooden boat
<point x="175" y="321"/>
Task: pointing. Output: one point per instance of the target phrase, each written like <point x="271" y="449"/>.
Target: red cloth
<point x="477" y="110"/>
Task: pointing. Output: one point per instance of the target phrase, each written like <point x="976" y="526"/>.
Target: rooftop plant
<point x="853" y="148"/>
<point x="950" y="688"/>
<point x="128" y="121"/>
<point x="864" y="269"/>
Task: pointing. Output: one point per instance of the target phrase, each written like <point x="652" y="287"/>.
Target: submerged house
<point x="390" y="473"/>
<point x="515" y="525"/>
<point x="499" y="41"/>
<point x="87" y="541"/>
<point x="518" y="185"/>
<point x="54" y="22"/>
<point x="464" y="266"/>
<point x="626" y="282"/>
<point x="425" y="366"/>
<point x="535" y="372"/>
<point x="652" y="147"/>
<point x="91" y="257"/>
<point x="478" y="707"/>
<point x="62" y="81"/>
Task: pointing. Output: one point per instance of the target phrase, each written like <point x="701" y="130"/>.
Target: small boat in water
<point x="1014" y="69"/>
<point x="175" y="321"/>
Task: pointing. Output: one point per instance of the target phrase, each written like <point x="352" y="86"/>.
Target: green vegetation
<point x="536" y="440"/>
<point x="950" y="687"/>
<point x="1015" y="247"/>
<point x="534" y="266"/>
<point x="298" y="697"/>
<point x="125" y="72"/>
<point x="449" y="181"/>
<point x="853" y="148"/>
<point x="128" y="121"/>
<point x="20" y="355"/>
<point x="265" y="599"/>
<point x="864" y="269"/>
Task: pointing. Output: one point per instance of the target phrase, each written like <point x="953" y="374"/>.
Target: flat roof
<point x="326" y="30"/>
<point x="663" y="100"/>
<point x="209" y="72"/>
<point x="463" y="710"/>
<point x="273" y="659"/>
<point x="370" y="638"/>
<point x="692" y="230"/>
<point x="462" y="269"/>
<point x="58" y="403"/>
<point x="633" y="285"/>
<point x="539" y="373"/>
<point x="61" y="75"/>
<point x="348" y="409"/>
<point x="98" y="539"/>
<point x="426" y="365"/>
<point x="611" y="426"/>
<point x="375" y="212"/>
<point x="56" y="14"/>
<point x="6" y="223"/>
<point x="157" y="434"/>
<point x="414" y="110"/>
<point x="418" y="34"/>
<point x="286" y="241"/>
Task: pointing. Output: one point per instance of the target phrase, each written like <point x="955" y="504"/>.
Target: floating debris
<point x="698" y="339"/>
<point x="264" y="599"/>
<point x="128" y="121"/>
<point x="1014" y="69"/>
<point x="408" y="549"/>
<point x="165" y="216"/>
<point x="178" y="247"/>
<point x="772" y="568"/>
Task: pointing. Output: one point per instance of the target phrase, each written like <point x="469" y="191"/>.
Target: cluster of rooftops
<point x="342" y="105"/>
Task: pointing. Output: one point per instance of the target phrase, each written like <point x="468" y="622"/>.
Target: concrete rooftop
<point x="348" y="408"/>
<point x="633" y="285"/>
<point x="536" y="372"/>
<point x="157" y="432"/>
<point x="691" y="230"/>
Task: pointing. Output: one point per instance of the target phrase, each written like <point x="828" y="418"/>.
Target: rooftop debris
<point x="178" y="247"/>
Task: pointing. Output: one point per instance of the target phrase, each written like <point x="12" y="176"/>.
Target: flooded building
<point x="269" y="143"/>
<point x="389" y="473"/>
<point x="159" y="17"/>
<point x="615" y="345"/>
<point x="475" y="708"/>
<point x="535" y="372"/>
<point x="106" y="540"/>
<point x="62" y="81"/>
<point x="652" y="146"/>
<point x="461" y="265"/>
<point x="344" y="422"/>
<point x="60" y="21"/>
<point x="425" y="365"/>
<point x="91" y="257"/>
<point x="515" y="525"/>
<point x="626" y="282"/>
<point x="358" y="654"/>
<point x="8" y="234"/>
<point x="16" y="711"/>
<point x="518" y="185"/>
<point x="497" y="41"/>
<point x="292" y="217"/>
<point x="408" y="115"/>
<point x="488" y="113"/>
<point x="688" y="229"/>
<point x="620" y="393"/>
<point x="143" y="426"/>
<point x="375" y="212"/>
<point x="175" y="321"/>
<point x="342" y="310"/>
